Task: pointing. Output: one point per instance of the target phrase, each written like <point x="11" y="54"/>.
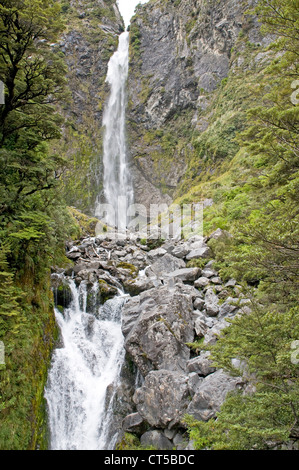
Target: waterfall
<point x="84" y="372"/>
<point x="117" y="185"/>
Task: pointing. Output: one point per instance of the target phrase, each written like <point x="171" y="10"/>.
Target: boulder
<point x="211" y="394"/>
<point x="201" y="282"/>
<point x="134" y="423"/>
<point x="203" y="252"/>
<point x="198" y="303"/>
<point x="212" y="334"/>
<point x="185" y="274"/>
<point x="211" y="303"/>
<point x="201" y="364"/>
<point x="156" y="439"/>
<point x="163" y="398"/>
<point x="180" y="251"/>
<point x="157" y="324"/>
<point x="167" y="264"/>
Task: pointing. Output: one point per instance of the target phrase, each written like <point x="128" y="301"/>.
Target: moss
<point x="130" y="441"/>
<point x="130" y="267"/>
<point x="28" y="348"/>
<point x="86" y="226"/>
<point x="106" y="291"/>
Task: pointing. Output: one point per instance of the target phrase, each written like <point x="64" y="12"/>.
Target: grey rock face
<point x="167" y="264"/>
<point x="211" y="303"/>
<point x="163" y="398"/>
<point x="203" y="252"/>
<point x="211" y="394"/>
<point x="161" y="328"/>
<point x="179" y="52"/>
<point x="156" y="439"/>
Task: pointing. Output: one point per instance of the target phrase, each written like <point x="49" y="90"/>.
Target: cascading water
<point x="117" y="185"/>
<point x="85" y="371"/>
<point x="78" y="390"/>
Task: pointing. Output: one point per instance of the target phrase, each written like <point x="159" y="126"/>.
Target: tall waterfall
<point x="117" y="184"/>
<point x="79" y="391"/>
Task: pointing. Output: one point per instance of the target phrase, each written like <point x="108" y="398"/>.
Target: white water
<point x="117" y="185"/>
<point x="78" y="391"/>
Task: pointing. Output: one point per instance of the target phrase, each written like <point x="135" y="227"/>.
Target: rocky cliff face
<point x="91" y="37"/>
<point x="180" y="52"/>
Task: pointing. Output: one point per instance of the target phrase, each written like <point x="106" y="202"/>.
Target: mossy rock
<point x="106" y="291"/>
<point x="62" y="295"/>
<point x="129" y="267"/>
<point x="86" y="225"/>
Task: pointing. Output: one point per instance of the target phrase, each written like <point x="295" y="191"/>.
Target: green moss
<point x="85" y="225"/>
<point x="28" y="347"/>
<point x="130" y="441"/>
<point x="130" y="267"/>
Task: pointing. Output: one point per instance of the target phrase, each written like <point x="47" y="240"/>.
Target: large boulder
<point x="156" y="439"/>
<point x="163" y="398"/>
<point x="211" y="394"/>
<point x="157" y="324"/>
<point x="185" y="274"/>
<point x="166" y="264"/>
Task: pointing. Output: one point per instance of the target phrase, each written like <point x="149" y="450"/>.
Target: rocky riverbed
<point x="169" y="309"/>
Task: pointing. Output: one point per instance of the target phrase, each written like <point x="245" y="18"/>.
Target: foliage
<point x="34" y="222"/>
<point x="260" y="344"/>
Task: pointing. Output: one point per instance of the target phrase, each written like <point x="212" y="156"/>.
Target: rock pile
<point x="170" y="305"/>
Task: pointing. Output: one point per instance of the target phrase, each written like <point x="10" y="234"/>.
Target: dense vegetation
<point x="262" y="213"/>
<point x="33" y="221"/>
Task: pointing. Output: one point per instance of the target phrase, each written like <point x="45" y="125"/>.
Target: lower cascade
<point x="129" y="315"/>
<point x="79" y="392"/>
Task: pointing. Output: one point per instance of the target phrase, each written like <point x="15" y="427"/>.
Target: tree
<point x="34" y="78"/>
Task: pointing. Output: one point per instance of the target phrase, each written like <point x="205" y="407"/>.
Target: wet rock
<point x="134" y="423"/>
<point x="167" y="264"/>
<point x="138" y="285"/>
